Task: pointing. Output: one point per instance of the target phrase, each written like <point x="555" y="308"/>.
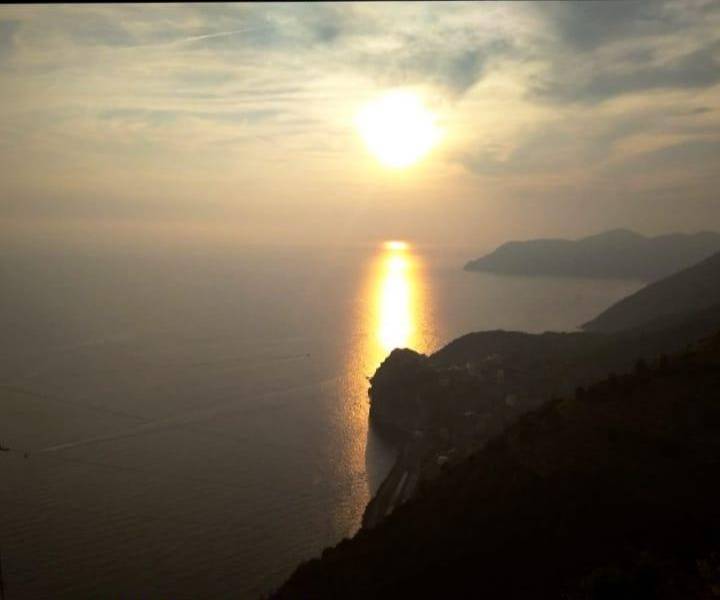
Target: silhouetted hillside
<point x="617" y="253"/>
<point x="441" y="408"/>
<point x="579" y="357"/>
<point x="692" y="289"/>
<point x="610" y="493"/>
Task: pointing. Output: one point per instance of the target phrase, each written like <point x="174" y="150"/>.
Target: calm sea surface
<point x="193" y="424"/>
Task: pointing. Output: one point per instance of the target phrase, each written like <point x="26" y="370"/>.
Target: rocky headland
<point x="515" y="448"/>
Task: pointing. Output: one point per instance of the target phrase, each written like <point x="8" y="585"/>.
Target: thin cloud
<point x="252" y="105"/>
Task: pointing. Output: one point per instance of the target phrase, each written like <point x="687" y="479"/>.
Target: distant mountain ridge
<point x="619" y="253"/>
<point x="696" y="288"/>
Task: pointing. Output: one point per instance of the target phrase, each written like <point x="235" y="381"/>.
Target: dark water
<point x="196" y="421"/>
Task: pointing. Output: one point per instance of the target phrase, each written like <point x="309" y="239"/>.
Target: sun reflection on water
<point x="395" y="291"/>
<point x="392" y="310"/>
<point x="394" y="305"/>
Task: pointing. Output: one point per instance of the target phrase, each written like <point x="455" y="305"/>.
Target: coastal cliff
<point x="609" y="493"/>
<point x="516" y="448"/>
<point x="396" y="393"/>
<point x="441" y="408"/>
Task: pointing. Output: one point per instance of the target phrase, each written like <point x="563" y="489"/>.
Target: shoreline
<point x="398" y="486"/>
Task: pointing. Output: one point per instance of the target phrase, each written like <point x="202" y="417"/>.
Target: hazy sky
<point x="237" y="120"/>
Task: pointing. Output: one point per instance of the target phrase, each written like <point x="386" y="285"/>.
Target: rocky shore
<point x="442" y="408"/>
<point x="515" y="449"/>
<point x="437" y="415"/>
<point x="611" y="493"/>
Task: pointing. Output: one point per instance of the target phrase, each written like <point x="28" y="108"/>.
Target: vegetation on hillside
<point x="609" y="493"/>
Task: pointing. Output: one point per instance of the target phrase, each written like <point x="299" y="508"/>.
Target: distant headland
<point x="619" y="253"/>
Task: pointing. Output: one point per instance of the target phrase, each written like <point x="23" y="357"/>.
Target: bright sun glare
<point x="398" y="129"/>
<point x="395" y="245"/>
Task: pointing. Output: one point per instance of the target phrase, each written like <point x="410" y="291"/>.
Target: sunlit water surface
<point x="195" y="422"/>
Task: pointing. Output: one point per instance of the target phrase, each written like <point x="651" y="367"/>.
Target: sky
<point x="236" y="121"/>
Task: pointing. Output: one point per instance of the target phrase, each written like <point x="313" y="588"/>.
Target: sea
<point x="192" y="422"/>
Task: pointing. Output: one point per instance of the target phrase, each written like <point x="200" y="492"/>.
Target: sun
<point x="398" y="129"/>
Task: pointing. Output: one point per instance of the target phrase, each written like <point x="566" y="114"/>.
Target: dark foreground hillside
<point x="613" y="493"/>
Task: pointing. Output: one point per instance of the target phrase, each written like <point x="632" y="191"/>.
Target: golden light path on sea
<point x="390" y="312"/>
<point x="396" y="291"/>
